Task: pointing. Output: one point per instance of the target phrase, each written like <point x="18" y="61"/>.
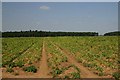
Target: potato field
<point x="60" y="57"/>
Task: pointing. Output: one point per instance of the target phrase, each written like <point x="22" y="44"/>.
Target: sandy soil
<point x="43" y="68"/>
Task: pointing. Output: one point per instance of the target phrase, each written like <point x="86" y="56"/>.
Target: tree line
<point x="54" y="34"/>
<point x="46" y="34"/>
<point x="115" y="33"/>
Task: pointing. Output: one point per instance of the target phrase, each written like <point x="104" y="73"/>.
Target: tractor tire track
<point x="43" y="67"/>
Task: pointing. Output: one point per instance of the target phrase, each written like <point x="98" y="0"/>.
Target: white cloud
<point x="44" y="8"/>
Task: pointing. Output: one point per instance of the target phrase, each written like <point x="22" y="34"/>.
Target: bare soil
<point x="43" y="68"/>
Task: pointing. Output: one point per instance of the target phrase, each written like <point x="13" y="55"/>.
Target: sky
<point x="98" y="17"/>
<point x="0" y="16"/>
<point x="60" y="0"/>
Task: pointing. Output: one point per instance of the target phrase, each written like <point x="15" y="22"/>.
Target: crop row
<point x="26" y="54"/>
<point x="9" y="45"/>
<point x="58" y="63"/>
<point x="99" y="54"/>
<point x="17" y="51"/>
<point x="32" y="55"/>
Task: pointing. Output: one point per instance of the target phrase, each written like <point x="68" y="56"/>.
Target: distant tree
<point x="36" y="31"/>
<point x="115" y="33"/>
<point x="46" y="34"/>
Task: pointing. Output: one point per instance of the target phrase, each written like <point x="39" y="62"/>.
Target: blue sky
<point x="0" y="16"/>
<point x="60" y="16"/>
<point x="60" y="0"/>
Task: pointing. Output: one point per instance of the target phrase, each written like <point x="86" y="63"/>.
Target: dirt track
<point x="43" y="68"/>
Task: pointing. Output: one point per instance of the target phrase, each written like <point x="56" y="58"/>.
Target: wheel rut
<point x="43" y="67"/>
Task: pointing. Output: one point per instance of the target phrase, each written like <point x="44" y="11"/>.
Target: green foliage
<point x="118" y="61"/>
<point x="91" y="65"/>
<point x="75" y="75"/>
<point x="99" y="69"/>
<point x="115" y="33"/>
<point x="11" y="65"/>
<point x="20" y="64"/>
<point x="92" y="51"/>
<point x="9" y="69"/>
<point x="0" y="65"/>
<point x="116" y="75"/>
<point x="46" y="34"/>
<point x="66" y="77"/>
<point x="30" y="69"/>
<point x="20" y="51"/>
<point x="56" y="72"/>
<point x="64" y="59"/>
<point x="3" y="64"/>
<point x="100" y="73"/>
<point x="30" y="63"/>
<point x="78" y="70"/>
